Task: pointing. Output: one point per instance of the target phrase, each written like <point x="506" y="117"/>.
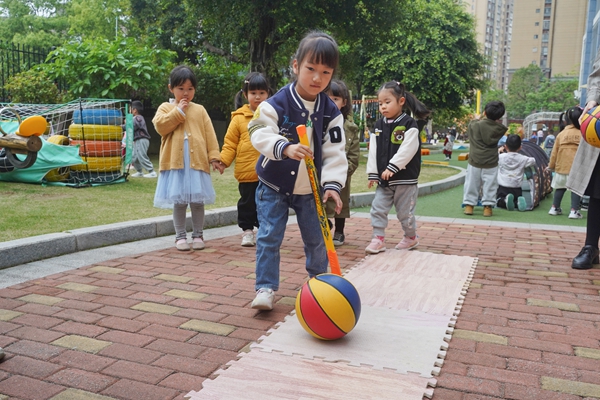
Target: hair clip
<point x="246" y="82"/>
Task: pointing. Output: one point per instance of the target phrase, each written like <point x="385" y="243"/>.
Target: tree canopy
<point x="430" y="46"/>
<point x="433" y="51"/>
<point x="530" y="91"/>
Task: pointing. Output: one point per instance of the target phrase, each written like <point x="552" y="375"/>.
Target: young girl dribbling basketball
<point x="281" y="169"/>
<point x="188" y="147"/>
<point x="394" y="164"/>
<point x="237" y="146"/>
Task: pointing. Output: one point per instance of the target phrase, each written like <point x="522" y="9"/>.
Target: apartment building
<point x="494" y="30"/>
<point x="591" y="42"/>
<point x="548" y="33"/>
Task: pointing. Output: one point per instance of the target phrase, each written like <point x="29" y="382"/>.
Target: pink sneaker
<point x="407" y="243"/>
<point x="198" y="244"/>
<point x="377" y="245"/>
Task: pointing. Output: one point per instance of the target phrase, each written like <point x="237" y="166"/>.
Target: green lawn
<point x="30" y="210"/>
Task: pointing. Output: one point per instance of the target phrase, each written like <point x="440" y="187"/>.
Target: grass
<point x="30" y="210"/>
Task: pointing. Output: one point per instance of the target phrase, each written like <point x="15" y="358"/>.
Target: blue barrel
<point x="98" y="116"/>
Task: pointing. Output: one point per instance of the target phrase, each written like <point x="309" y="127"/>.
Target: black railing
<point x="16" y="58"/>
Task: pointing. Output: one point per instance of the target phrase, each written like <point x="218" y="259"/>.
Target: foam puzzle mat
<point x="409" y="299"/>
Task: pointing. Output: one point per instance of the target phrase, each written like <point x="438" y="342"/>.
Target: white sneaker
<point x="150" y="175"/>
<point x="198" y="244"/>
<point x="264" y="299"/>
<point x="555" y="211"/>
<point x="574" y="214"/>
<point x="137" y="175"/>
<point x="248" y="239"/>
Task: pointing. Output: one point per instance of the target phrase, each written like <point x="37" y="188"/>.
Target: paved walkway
<point x="144" y="321"/>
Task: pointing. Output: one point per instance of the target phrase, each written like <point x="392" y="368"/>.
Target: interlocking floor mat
<point x="410" y="301"/>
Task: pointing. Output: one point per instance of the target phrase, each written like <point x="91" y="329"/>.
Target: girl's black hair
<point x="570" y="117"/>
<point x="180" y="74"/>
<point x="338" y="88"/>
<point x="252" y="81"/>
<point x="318" y="48"/>
<point x="418" y="109"/>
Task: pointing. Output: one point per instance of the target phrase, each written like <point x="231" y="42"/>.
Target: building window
<point x="545" y="37"/>
<point x="547" y="10"/>
<point x="534" y="49"/>
<point x="537" y="10"/>
<point x="537" y="24"/>
<point x="535" y="36"/>
<point x="546" y="25"/>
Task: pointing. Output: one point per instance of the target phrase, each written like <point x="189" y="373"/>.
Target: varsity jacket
<point x="396" y="146"/>
<point x="273" y="128"/>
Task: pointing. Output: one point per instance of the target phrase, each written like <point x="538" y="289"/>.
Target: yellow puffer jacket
<point x="237" y="146"/>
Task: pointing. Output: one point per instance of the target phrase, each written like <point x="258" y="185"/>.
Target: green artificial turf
<point x="448" y="204"/>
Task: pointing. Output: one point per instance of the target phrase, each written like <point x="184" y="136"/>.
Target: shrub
<point x="121" y="69"/>
<point x="33" y="86"/>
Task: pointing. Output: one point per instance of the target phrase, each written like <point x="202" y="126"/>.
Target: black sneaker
<point x="338" y="239"/>
<point x="586" y="258"/>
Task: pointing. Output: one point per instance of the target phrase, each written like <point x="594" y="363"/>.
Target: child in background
<point x="281" y="169"/>
<point x="511" y="167"/>
<point x="448" y="146"/>
<point x="394" y="164"/>
<point x="188" y="148"/>
<point x="338" y="92"/>
<point x="141" y="143"/>
<point x="237" y="146"/>
<point x="482" y="171"/>
<point x="561" y="160"/>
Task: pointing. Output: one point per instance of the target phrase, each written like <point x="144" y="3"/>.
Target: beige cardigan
<point x="171" y="124"/>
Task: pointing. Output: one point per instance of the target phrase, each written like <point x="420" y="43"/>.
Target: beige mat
<point x="409" y="301"/>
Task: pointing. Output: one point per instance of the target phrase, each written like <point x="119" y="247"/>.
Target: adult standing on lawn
<point x="584" y="179"/>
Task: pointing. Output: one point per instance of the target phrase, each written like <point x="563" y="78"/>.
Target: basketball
<point x="328" y="306"/>
<point x="590" y="126"/>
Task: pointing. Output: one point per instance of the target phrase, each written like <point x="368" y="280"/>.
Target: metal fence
<point x="16" y="58"/>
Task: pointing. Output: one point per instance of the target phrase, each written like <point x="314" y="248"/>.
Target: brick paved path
<point x="154" y="326"/>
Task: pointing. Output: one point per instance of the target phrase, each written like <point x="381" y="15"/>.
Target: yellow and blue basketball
<point x="590" y="126"/>
<point x="328" y="306"/>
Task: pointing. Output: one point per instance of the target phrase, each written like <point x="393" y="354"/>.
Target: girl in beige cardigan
<point x="188" y="148"/>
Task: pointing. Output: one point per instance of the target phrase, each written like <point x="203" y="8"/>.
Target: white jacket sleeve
<point x="335" y="164"/>
<point x="372" y="173"/>
<point x="264" y="132"/>
<point x="407" y="150"/>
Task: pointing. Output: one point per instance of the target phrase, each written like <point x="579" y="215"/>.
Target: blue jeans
<point x="273" y="208"/>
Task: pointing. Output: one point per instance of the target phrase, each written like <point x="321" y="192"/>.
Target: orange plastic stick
<point x="316" y="189"/>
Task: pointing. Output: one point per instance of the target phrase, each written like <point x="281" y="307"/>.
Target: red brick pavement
<point x="528" y="329"/>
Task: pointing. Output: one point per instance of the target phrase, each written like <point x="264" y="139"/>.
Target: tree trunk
<point x="263" y="49"/>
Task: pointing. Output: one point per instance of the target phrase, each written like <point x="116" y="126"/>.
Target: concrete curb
<point x="35" y="248"/>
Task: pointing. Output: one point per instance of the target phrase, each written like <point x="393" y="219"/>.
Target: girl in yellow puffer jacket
<point x="237" y="146"/>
